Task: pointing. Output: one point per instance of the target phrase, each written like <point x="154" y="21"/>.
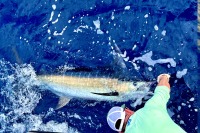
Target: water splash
<point x="20" y="93"/>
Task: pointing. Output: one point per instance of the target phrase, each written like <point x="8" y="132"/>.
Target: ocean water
<point x="130" y="40"/>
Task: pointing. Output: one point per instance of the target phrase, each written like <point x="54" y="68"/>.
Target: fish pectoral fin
<point x="62" y="102"/>
<point x="113" y="93"/>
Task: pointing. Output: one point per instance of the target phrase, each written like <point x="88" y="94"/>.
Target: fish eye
<point x="134" y="83"/>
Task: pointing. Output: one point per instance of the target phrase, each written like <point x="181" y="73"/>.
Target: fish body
<point x="94" y="88"/>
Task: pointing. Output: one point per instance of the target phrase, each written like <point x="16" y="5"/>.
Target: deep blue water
<point x="53" y="36"/>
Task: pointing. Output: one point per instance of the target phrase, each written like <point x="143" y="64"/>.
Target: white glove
<point x="164" y="74"/>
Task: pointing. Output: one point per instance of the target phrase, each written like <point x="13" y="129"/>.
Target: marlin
<point x="98" y="88"/>
<point x="94" y="88"/>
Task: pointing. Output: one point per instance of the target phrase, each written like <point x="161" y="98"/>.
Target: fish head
<point x="141" y="86"/>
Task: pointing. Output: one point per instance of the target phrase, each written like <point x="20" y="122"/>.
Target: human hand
<point x="163" y="80"/>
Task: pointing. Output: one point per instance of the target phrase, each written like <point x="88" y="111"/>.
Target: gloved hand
<point x="167" y="75"/>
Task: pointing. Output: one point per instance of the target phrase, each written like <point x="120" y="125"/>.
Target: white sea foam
<point x="55" y="21"/>
<point x="127" y="8"/>
<point x="97" y="25"/>
<point x="61" y="33"/>
<point x="51" y="17"/>
<point x="53" y="126"/>
<point x="124" y="54"/>
<point x="180" y="74"/>
<point x="44" y="25"/>
<point x="19" y="128"/>
<point x="134" y="47"/>
<point x="163" y="32"/>
<point x="156" y="27"/>
<point x="99" y="31"/>
<point x="126" y="58"/>
<point x="76" y="116"/>
<point x="146" y="16"/>
<point x="54" y="7"/>
<point x="135" y="65"/>
<point x="147" y="58"/>
<point x="112" y="16"/>
<point x="182" y="122"/>
<point x="79" y="29"/>
<point x="183" y="104"/>
<point x="149" y="68"/>
<point x="49" y="31"/>
<point x="179" y="108"/>
<point x="191" y="99"/>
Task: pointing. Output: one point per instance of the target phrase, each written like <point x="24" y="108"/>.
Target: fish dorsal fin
<point x="118" y="58"/>
<point x="119" y="65"/>
<point x="62" y="102"/>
